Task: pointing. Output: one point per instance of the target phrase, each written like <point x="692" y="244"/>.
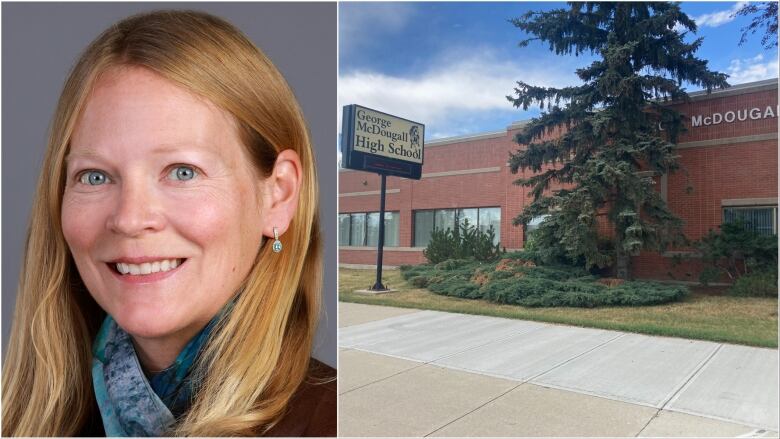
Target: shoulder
<point x="312" y="410"/>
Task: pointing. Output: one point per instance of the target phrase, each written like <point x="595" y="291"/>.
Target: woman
<point x="172" y="272"/>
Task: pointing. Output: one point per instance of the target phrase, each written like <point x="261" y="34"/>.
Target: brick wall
<point x="733" y="170"/>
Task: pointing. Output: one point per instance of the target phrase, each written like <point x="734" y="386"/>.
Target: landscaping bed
<point x="516" y="280"/>
<point x="707" y="313"/>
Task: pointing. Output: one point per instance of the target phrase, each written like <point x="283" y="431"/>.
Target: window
<point x="426" y="220"/>
<point x="344" y="229"/>
<point x="357" y="235"/>
<point x="444" y="219"/>
<point x="391" y="228"/>
<point x="362" y="229"/>
<point x="761" y="219"/>
<point x="423" y="227"/>
<point x="470" y="215"/>
<point x="490" y="216"/>
<point x="372" y="229"/>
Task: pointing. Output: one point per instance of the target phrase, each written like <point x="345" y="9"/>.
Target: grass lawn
<point x="703" y="315"/>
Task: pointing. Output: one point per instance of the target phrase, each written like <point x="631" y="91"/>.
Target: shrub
<point x="453" y="286"/>
<point x="736" y="251"/>
<point x="537" y="291"/>
<point x="451" y="264"/>
<point x="478" y="244"/>
<point x="410" y="271"/>
<point x="561" y="273"/>
<point x="442" y="246"/>
<point x="524" y="255"/>
<point x="419" y="281"/>
<point x="756" y="284"/>
<point x="498" y="275"/>
<point x="465" y="241"/>
<point x="534" y="286"/>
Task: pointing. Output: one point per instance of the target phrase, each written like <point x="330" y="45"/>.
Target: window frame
<point x="755" y="207"/>
<point x="365" y="228"/>
<point x="456" y="220"/>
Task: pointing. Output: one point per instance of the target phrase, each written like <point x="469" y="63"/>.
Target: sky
<point x="450" y="65"/>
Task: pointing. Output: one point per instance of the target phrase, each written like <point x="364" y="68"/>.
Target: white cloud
<point x="751" y="69"/>
<point x="715" y="19"/>
<point x="453" y="96"/>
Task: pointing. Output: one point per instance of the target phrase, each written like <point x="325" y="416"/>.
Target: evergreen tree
<point x="765" y="15"/>
<point x="617" y="132"/>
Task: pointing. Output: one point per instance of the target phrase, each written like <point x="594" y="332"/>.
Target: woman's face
<point x="162" y="209"/>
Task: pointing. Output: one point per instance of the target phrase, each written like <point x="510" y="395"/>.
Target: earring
<point x="277" y="247"/>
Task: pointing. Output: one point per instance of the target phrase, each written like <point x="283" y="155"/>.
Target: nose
<point x="137" y="211"/>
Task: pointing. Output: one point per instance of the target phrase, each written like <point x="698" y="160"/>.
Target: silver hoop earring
<point x="277" y="246"/>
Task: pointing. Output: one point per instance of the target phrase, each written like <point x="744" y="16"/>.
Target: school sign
<point x="378" y="142"/>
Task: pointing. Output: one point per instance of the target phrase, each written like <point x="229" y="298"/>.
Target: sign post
<point x="378" y="142"/>
<point x="378" y="286"/>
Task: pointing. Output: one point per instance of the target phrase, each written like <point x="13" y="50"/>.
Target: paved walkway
<point x="406" y="372"/>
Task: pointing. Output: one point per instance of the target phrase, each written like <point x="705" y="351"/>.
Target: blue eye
<point x="183" y="173"/>
<point x="93" y="178"/>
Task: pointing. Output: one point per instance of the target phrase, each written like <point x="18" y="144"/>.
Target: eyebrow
<point x="165" y="148"/>
<point x="88" y="153"/>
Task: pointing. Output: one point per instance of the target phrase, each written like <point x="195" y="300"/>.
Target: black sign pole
<point x="378" y="285"/>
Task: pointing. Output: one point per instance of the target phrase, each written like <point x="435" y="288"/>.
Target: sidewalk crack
<point x="475" y="409"/>
<point x="575" y="357"/>
<point x="681" y="388"/>
<point x="383" y="378"/>
<point x="690" y="379"/>
<point x="658" y="412"/>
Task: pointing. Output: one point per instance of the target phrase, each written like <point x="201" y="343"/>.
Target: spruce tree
<point x="764" y="15"/>
<point x="617" y="132"/>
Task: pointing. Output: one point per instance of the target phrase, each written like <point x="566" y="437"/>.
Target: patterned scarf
<point x="130" y="404"/>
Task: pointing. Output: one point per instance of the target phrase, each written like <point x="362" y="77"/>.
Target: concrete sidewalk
<point x="406" y="372"/>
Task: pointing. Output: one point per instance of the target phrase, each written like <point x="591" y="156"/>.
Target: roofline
<point x="466" y="137"/>
<point x="737" y="89"/>
<point x="747" y="87"/>
<point x="700" y="95"/>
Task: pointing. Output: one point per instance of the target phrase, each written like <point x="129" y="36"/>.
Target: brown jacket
<point x="312" y="411"/>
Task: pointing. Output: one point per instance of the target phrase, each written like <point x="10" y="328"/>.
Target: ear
<point x="282" y="189"/>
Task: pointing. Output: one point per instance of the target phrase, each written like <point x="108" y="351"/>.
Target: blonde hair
<point x="259" y="353"/>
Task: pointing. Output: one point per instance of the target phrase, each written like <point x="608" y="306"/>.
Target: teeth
<point x="147" y="267"/>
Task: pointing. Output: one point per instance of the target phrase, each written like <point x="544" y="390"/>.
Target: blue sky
<point x="450" y="65"/>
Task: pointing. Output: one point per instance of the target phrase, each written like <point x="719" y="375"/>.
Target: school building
<point x="729" y="155"/>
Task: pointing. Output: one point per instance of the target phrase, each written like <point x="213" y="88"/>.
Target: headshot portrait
<point x="168" y="212"/>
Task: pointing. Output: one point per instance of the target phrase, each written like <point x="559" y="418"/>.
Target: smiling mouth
<point x="146" y="268"/>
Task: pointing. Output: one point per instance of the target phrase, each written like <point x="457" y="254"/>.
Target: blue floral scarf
<point x="130" y="404"/>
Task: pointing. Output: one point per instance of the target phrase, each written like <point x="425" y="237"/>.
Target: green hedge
<point x="757" y="284"/>
<point x="464" y="241"/>
<point x="535" y="286"/>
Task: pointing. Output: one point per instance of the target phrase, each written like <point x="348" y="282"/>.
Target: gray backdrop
<point x="41" y="42"/>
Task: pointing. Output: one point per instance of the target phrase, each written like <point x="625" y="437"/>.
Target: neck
<point x="156" y="354"/>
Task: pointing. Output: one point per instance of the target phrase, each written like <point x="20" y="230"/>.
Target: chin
<point x="144" y="324"/>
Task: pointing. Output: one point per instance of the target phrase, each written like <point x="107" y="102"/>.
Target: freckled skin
<point x="136" y="129"/>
